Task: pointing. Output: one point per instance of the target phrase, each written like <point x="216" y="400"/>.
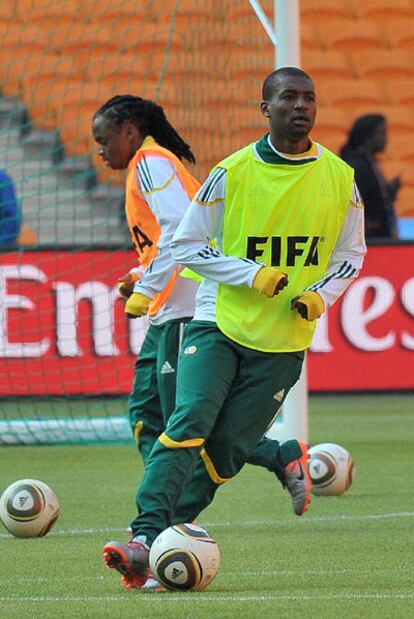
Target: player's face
<point x="117" y="145"/>
<point x="291" y="110"/>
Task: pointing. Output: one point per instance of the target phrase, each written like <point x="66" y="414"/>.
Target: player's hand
<point x="137" y="305"/>
<point x="309" y="305"/>
<point x="126" y="283"/>
<point x="270" y="281"/>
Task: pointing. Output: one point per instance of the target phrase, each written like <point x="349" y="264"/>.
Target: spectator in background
<point x="368" y="137"/>
<point x="10" y="219"/>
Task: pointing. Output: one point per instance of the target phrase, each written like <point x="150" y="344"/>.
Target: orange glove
<point x="126" y="283"/>
<point x="309" y="304"/>
<point x="137" y="305"/>
<point x="270" y="281"/>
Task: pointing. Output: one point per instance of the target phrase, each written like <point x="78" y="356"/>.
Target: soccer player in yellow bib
<point x="286" y="220"/>
<point x="134" y="133"/>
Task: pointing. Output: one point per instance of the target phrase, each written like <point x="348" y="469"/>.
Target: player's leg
<point x="207" y="359"/>
<point x="207" y="367"/>
<point x="144" y="407"/>
<point x="244" y="418"/>
<point x="288" y="461"/>
<point x="169" y="346"/>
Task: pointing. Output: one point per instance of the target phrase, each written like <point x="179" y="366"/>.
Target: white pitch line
<point x="247" y="523"/>
<point x="169" y="597"/>
<point x="242" y="574"/>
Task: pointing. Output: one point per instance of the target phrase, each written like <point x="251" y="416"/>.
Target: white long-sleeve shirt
<point x="203" y="222"/>
<point x="162" y="190"/>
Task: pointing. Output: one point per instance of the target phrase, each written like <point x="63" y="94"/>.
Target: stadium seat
<point x="321" y="65"/>
<point x="382" y="64"/>
<point x="80" y="39"/>
<point x="108" y="11"/>
<point x="405" y="202"/>
<point x="382" y="10"/>
<point x="350" y="94"/>
<point x="25" y="37"/>
<point x="27" y="236"/>
<point x="102" y="65"/>
<point x="400" y="91"/>
<point x="42" y="10"/>
<point x="331" y="127"/>
<point x="349" y="35"/>
<point x="32" y="67"/>
<point x="178" y="65"/>
<point x="250" y="64"/>
<point x="402" y="147"/>
<point x="400" y="119"/>
<point x="400" y="33"/>
<point x="397" y="167"/>
<point x="316" y="10"/>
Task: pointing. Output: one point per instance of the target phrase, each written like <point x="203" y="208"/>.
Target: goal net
<point x="66" y="351"/>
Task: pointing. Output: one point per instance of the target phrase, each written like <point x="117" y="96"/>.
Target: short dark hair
<point x="149" y="118"/>
<point x="273" y="79"/>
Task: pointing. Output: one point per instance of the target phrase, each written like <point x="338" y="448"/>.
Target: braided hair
<point x="149" y="118"/>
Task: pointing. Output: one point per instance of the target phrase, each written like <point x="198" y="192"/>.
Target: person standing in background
<point x="367" y="138"/>
<point x="10" y="217"/>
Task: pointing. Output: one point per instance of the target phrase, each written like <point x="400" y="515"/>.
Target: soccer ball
<point x="184" y="557"/>
<point x="331" y="469"/>
<point x="28" y="508"/>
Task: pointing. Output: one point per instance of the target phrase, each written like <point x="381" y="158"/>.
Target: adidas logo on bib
<point x="167" y="368"/>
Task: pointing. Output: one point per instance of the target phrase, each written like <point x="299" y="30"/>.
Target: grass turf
<point x="349" y="556"/>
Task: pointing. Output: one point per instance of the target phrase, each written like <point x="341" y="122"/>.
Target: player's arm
<point x="202" y="224"/>
<point x="168" y="201"/>
<point x="162" y="190"/>
<point x="343" y="267"/>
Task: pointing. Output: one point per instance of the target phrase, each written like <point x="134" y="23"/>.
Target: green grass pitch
<point x="349" y="556"/>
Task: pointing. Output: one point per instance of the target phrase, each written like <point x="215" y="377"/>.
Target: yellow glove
<point x="270" y="281"/>
<point x="309" y="304"/>
<point x="137" y="305"/>
<point x="126" y="283"/>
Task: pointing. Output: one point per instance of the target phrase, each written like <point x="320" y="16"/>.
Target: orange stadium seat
<point x="351" y="94"/>
<point x="74" y="122"/>
<point x="315" y="10"/>
<point x="405" y="202"/>
<point x="331" y="127"/>
<point x="8" y="11"/>
<point x="400" y="91"/>
<point x="400" y="33"/>
<point x="383" y="64"/>
<point x="397" y="167"/>
<point x="147" y="38"/>
<point x="25" y="37"/>
<point x="400" y="119"/>
<point x="124" y="66"/>
<point x="321" y="65"/>
<point x="349" y="35"/>
<point x="402" y="147"/>
<point x="43" y="10"/>
<point x="180" y="64"/>
<point x="107" y="11"/>
<point x="382" y="10"/>
<point x="32" y="67"/>
<point x="254" y="65"/>
<point x="78" y="37"/>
